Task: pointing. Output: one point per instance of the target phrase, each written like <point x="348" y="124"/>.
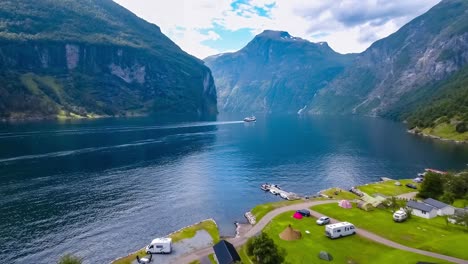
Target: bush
<point x="70" y="259"/>
<point x="461" y="127"/>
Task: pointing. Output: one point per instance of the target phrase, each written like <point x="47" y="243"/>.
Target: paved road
<point x="239" y="241"/>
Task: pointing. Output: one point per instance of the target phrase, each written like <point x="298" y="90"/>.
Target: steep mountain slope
<point x="275" y="72"/>
<point x="446" y="114"/>
<point x="93" y="57"/>
<point x="399" y="71"/>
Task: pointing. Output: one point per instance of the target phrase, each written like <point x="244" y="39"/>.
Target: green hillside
<point x="92" y="58"/>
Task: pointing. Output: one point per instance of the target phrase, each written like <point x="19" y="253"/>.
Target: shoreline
<point x="242" y="228"/>
<point x="168" y="235"/>
<point x="421" y="134"/>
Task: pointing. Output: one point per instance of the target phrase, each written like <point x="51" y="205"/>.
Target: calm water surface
<point x="101" y="189"/>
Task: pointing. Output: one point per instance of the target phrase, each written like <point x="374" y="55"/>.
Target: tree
<point x="70" y="259"/>
<point x="264" y="250"/>
<point x="448" y="197"/>
<point x="432" y="186"/>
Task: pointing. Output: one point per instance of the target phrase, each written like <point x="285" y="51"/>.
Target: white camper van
<point x="400" y="216"/>
<point x="160" y="245"/>
<point x="339" y="230"/>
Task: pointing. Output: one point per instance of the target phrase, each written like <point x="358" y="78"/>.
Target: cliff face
<point x="397" y="72"/>
<point x="90" y="57"/>
<point x="275" y="72"/>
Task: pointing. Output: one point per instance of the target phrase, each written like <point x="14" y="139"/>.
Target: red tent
<point x="297" y="215"/>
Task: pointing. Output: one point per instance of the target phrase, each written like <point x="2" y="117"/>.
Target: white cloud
<point x="347" y="25"/>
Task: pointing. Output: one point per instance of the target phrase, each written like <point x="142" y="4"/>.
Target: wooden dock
<point x="276" y="190"/>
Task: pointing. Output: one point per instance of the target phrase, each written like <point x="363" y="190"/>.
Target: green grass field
<point x="352" y="249"/>
<point x="190" y="232"/>
<point x="185" y="233"/>
<point x="388" y="188"/>
<point x="460" y="203"/>
<point x="426" y="234"/>
<point x="445" y="130"/>
<point x="341" y="194"/>
<point x="261" y="210"/>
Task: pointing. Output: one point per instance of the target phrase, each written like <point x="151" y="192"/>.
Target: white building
<point x="422" y="210"/>
<point x="442" y="208"/>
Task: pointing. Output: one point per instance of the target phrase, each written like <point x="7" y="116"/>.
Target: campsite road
<point x="239" y="241"/>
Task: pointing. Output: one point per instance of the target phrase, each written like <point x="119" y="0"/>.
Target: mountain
<point x="397" y="73"/>
<point x="446" y="113"/>
<point x="89" y="58"/>
<point x="275" y="72"/>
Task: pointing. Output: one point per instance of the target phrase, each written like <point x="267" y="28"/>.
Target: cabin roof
<point x="420" y="206"/>
<point x="226" y="253"/>
<point x="435" y="203"/>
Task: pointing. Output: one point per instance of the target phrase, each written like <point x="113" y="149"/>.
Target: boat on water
<point x="250" y="119"/>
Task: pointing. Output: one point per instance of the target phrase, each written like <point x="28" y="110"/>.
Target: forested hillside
<point x="91" y="58"/>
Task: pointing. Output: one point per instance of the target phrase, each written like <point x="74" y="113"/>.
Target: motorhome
<point x="339" y="230"/>
<point x="160" y="245"/>
<point x="400" y="216"/>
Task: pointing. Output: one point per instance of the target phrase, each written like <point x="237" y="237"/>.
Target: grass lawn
<point x="190" y="232"/>
<point x="352" y="249"/>
<point x="388" y="188"/>
<point x="426" y="234"/>
<point x="185" y="233"/>
<point x="261" y="210"/>
<point x="460" y="203"/>
<point x="342" y="194"/>
<point x="211" y="257"/>
<point x="245" y="259"/>
<point x="445" y="130"/>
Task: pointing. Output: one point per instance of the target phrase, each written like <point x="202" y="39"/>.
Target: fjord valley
<point x="404" y="76"/>
<point x="73" y="59"/>
<point x="112" y="136"/>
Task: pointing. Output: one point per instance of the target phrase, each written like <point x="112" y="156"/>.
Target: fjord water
<point x="103" y="188"/>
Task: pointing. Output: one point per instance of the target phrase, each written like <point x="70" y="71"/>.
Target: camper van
<point x="160" y="245"/>
<point x="400" y="216"/>
<point x="339" y="230"/>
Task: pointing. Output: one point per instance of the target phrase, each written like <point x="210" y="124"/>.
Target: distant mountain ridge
<point x="275" y="72"/>
<point x="93" y="58"/>
<point x="397" y="73"/>
<point x="392" y="78"/>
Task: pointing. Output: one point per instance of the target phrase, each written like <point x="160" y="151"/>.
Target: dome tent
<point x="290" y="234"/>
<point x="325" y="256"/>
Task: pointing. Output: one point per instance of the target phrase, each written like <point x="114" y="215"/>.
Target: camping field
<point x="351" y="249"/>
<point x="388" y="187"/>
<point x="427" y="234"/>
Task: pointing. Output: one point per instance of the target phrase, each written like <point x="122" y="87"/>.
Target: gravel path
<point x="239" y="241"/>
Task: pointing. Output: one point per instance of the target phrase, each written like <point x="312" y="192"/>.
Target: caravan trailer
<point x="160" y="245"/>
<point x="339" y="230"/>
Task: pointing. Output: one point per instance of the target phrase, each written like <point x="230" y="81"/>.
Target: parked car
<point x="304" y="212"/>
<point x="323" y="220"/>
<point x="412" y="186"/>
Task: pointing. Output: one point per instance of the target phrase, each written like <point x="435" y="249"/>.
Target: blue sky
<point x="208" y="27"/>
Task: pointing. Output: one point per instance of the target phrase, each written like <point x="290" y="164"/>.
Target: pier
<point x="276" y="190"/>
